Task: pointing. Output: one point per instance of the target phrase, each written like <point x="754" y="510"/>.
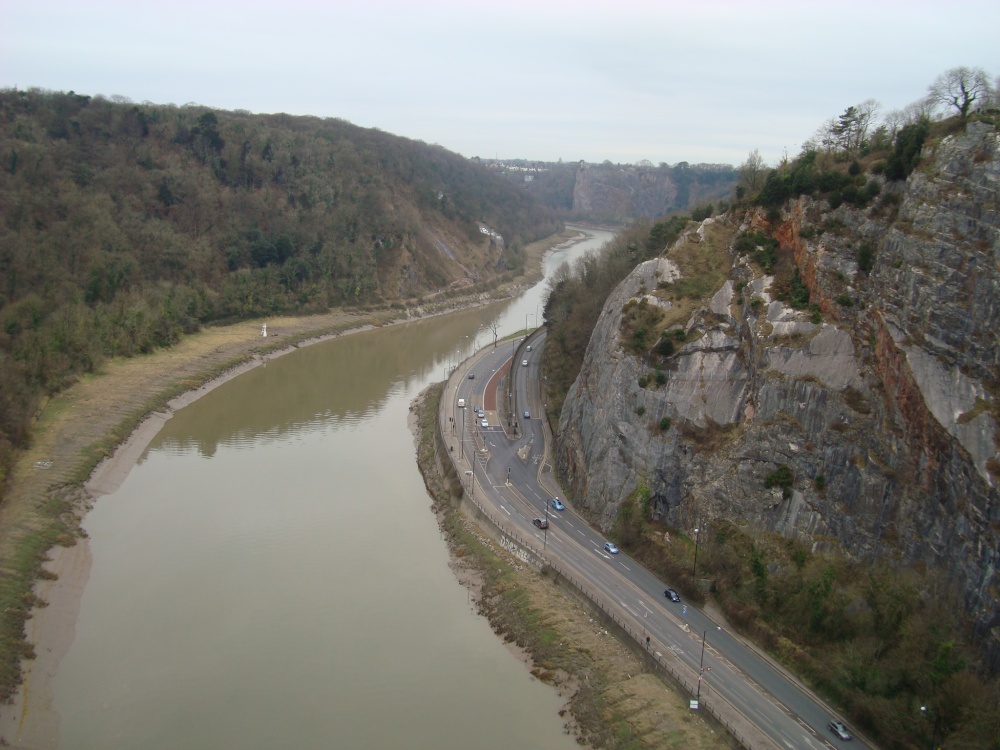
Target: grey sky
<point x="628" y="80"/>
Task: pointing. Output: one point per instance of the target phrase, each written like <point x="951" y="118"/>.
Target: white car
<point x="610" y="548"/>
<point x="839" y="730"/>
<point x="484" y="423"/>
<point x="524" y="363"/>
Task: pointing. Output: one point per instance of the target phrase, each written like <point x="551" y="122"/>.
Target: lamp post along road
<point x="694" y="568"/>
<point x="701" y="665"/>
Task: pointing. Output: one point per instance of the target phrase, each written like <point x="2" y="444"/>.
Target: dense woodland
<point x="124" y="225"/>
<point x="878" y="662"/>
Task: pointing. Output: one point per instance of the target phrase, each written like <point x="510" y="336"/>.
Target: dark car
<point x="472" y="376"/>
<point x="672" y="595"/>
<point x="542" y="523"/>
<point x="839" y="730"/>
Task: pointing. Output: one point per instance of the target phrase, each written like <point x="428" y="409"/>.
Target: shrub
<point x="665" y="348"/>
<point x="664" y="424"/>
<point x="661" y="377"/>
<point x="866" y="257"/>
<point x="640" y="410"/>
<point x="767" y="256"/>
<point x="781" y="477"/>
<point x="906" y="153"/>
<point x="701" y="213"/>
<point x="820" y="482"/>
<point x="844" y="299"/>
<point x="643" y="381"/>
<point x="799" y="297"/>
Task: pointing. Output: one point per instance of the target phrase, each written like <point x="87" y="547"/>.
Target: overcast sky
<point x="623" y="80"/>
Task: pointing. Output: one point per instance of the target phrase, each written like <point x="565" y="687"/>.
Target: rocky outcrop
<point x="883" y="401"/>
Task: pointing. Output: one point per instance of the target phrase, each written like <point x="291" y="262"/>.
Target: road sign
<point x="694" y="705"/>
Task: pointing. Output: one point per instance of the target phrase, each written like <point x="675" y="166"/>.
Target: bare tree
<point x="753" y="172"/>
<point x="894" y="122"/>
<point x="493" y="325"/>
<point x="960" y="88"/>
<point x="865" y="118"/>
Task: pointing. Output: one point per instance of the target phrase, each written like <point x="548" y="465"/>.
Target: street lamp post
<point x="701" y="666"/>
<point x="694" y="568"/>
<point x="462" y="441"/>
<point x="934" y="731"/>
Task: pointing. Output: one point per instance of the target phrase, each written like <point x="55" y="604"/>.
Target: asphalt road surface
<point x="509" y="462"/>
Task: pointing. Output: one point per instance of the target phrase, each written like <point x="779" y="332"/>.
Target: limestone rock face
<point x="891" y="398"/>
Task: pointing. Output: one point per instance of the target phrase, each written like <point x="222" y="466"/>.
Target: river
<point x="270" y="574"/>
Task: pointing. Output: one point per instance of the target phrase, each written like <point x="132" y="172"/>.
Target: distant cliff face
<point x="891" y="400"/>
<point x="619" y="193"/>
<point x="623" y="192"/>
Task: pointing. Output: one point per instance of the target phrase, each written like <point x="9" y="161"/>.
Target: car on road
<point x="557" y="504"/>
<point x="484" y="423"/>
<point x="472" y="376"/>
<point x="542" y="523"/>
<point x="527" y="415"/>
<point x="529" y="348"/>
<point x="524" y="363"/>
<point x="610" y="548"/>
<point x="672" y="595"/>
<point x="839" y="730"/>
<point x="480" y="413"/>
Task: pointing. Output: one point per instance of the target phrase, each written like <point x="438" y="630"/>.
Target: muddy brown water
<point x="270" y="575"/>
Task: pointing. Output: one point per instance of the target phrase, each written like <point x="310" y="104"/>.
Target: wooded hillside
<point x="124" y="225"/>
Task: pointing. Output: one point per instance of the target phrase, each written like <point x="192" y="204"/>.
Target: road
<point x="509" y="460"/>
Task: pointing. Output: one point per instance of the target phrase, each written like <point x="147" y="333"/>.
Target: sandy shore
<point x="95" y="408"/>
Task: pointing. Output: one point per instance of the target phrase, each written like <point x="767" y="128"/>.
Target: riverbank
<point x="612" y="700"/>
<point x="105" y="421"/>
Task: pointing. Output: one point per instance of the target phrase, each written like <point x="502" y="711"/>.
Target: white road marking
<point x="505" y="511"/>
<point x="625" y="566"/>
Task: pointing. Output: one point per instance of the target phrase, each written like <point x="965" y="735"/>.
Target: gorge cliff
<point x="865" y="421"/>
